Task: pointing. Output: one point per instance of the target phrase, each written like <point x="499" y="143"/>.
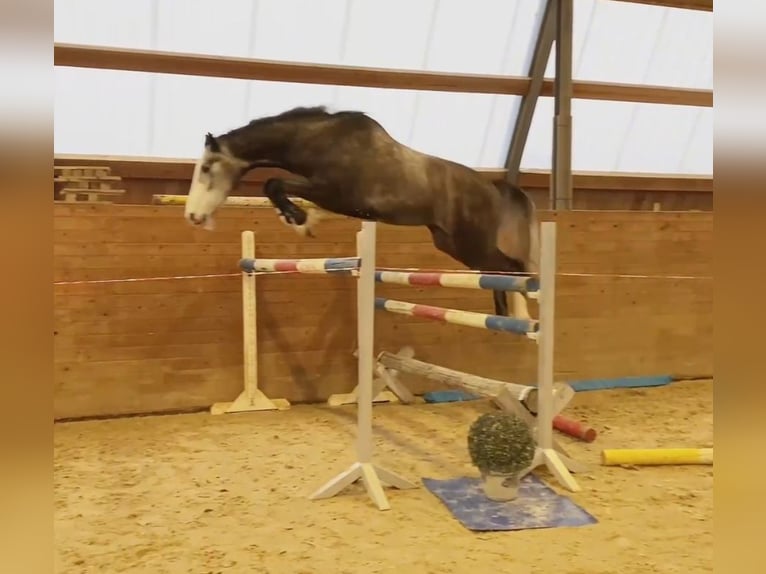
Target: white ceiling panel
<point x="186" y="107"/>
<point x="101" y="112"/>
<point x="105" y="22"/>
<point x="202" y="26"/>
<point x="299" y="30"/>
<point x="106" y="112"/>
<point x="378" y="36"/>
<point x="627" y="137"/>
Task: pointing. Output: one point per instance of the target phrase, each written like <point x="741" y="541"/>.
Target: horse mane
<point x="303" y="112"/>
<point x="241" y="138"/>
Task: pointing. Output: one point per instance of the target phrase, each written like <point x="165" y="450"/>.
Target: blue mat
<point x="620" y="383"/>
<point x="450" y="396"/>
<point x="537" y="506"/>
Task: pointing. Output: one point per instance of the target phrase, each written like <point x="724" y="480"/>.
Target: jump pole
<point x="231" y="201"/>
<point x="473" y="383"/>
<point x="656" y="456"/>
<point x="372" y="475"/>
<point x="251" y="398"/>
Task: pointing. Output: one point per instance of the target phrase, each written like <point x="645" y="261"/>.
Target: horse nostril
<point x="197" y="220"/>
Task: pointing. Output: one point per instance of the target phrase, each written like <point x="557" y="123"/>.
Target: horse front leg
<point x="293" y="215"/>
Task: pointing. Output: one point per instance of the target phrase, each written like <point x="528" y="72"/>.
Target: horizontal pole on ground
<point x="656" y="456"/>
<point x="479" y="385"/>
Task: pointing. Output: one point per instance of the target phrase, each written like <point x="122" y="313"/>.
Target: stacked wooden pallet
<point x="85" y="183"/>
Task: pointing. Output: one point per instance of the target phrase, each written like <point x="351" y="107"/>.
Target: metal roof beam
<point x="542" y="51"/>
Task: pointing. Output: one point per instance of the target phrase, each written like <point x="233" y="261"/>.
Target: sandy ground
<point x="226" y="494"/>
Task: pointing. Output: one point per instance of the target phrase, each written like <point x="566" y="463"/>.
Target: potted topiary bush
<point x="501" y="447"/>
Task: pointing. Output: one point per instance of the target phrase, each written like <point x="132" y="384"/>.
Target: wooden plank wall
<point x="142" y="178"/>
<point x="153" y="346"/>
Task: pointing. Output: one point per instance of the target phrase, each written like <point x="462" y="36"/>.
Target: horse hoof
<point x="304" y="230"/>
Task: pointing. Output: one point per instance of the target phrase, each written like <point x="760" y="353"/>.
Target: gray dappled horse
<point x="346" y="163"/>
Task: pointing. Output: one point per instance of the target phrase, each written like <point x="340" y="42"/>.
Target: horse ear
<point x="212" y="143"/>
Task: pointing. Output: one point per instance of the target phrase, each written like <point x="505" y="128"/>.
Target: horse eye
<point x="205" y="169"/>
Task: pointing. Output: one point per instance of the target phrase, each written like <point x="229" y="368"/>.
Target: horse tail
<point x="534" y="237"/>
<point x="519" y="230"/>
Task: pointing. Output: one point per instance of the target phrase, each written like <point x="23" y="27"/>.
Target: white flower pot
<point x="501" y="487"/>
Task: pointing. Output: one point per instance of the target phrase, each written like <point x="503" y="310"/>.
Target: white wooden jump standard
<point x="548" y="452"/>
<point x="363" y="267"/>
<point x="545" y="452"/>
<point x="371" y="474"/>
<point x="251" y="398"/>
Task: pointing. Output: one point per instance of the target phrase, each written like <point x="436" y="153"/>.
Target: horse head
<point x="216" y="174"/>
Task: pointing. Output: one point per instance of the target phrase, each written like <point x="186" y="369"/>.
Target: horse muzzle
<point x="197" y="219"/>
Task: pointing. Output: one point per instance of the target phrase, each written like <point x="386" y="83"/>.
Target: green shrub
<point x="500" y="443"/>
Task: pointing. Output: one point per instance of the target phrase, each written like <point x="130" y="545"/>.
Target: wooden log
<point x="479" y="385"/>
<point x="525" y="394"/>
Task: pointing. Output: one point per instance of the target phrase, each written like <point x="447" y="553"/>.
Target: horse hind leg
<point x="501" y="303"/>
<point x="520" y="309"/>
<point x="503" y="263"/>
<point x="443" y="242"/>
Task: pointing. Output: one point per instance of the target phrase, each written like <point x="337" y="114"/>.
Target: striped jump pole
<point x="518" y="284"/>
<point x="528" y="327"/>
<point x="342" y="265"/>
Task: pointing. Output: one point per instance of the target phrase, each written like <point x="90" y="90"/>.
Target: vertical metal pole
<point x="536" y="73"/>
<point x="561" y="173"/>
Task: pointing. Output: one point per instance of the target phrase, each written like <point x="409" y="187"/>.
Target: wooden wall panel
<point x="162" y="345"/>
<point x="144" y="177"/>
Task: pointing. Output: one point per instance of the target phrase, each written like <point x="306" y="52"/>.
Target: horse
<point x="346" y="163"/>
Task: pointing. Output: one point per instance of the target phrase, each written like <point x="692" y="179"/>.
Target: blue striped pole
<point x="528" y="327"/>
<point x="520" y="284"/>
<point x="338" y="265"/>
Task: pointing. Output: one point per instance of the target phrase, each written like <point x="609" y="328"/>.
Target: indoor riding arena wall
<point x="143" y="177"/>
<point x="131" y="347"/>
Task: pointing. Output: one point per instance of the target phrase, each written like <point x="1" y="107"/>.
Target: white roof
<point x="127" y="113"/>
